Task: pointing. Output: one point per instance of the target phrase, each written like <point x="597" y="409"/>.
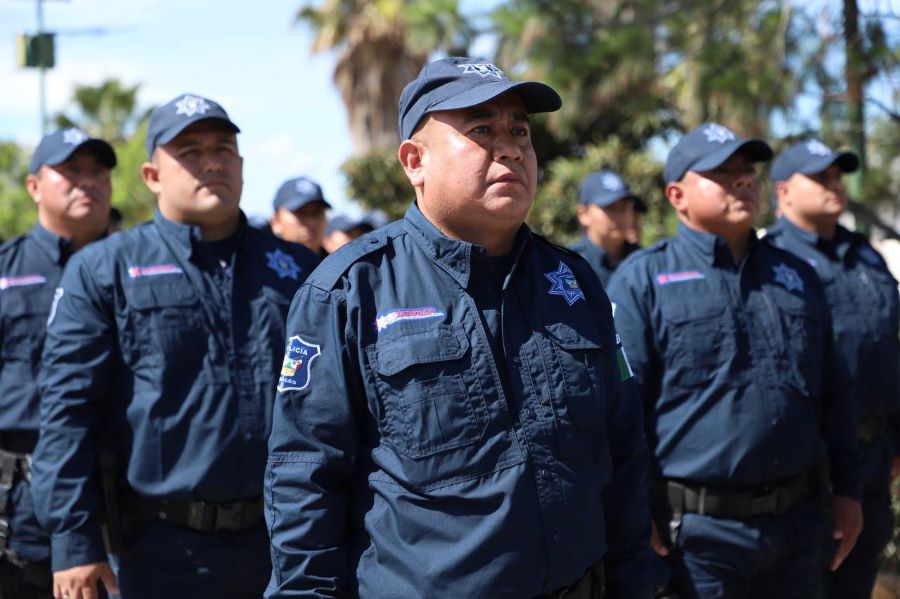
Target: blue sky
<point x="247" y="55"/>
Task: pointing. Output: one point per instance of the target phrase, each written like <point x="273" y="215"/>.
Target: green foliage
<point x="130" y="194"/>
<point x="107" y="110"/>
<point x="17" y="210"/>
<point x="377" y="181"/>
<point x="553" y="213"/>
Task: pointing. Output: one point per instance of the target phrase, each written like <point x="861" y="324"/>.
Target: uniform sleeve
<point x="73" y="384"/>
<point x="312" y="455"/>
<point x="838" y="419"/>
<point x="632" y="321"/>
<point x="625" y="500"/>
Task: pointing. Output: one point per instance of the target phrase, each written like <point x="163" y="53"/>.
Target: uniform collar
<point x="712" y="247"/>
<point x="58" y="248"/>
<point x="839" y="246"/>
<point x="185" y="236"/>
<point x="454" y="255"/>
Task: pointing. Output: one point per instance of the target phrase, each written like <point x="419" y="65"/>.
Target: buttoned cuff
<point x="77" y="548"/>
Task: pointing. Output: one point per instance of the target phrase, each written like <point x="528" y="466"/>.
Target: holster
<point x="113" y="523"/>
<point x="11" y="465"/>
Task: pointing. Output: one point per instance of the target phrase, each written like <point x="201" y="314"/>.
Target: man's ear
<point x="582" y="212"/>
<point x="411" y="155"/>
<point x="783" y="193"/>
<point x="150" y="175"/>
<point x="675" y="194"/>
<point x="31" y="184"/>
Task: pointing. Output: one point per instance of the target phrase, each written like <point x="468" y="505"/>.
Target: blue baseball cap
<point x="55" y="148"/>
<point x="457" y="82"/>
<point x="605" y="188"/>
<point x="707" y="147"/>
<point x="298" y="192"/>
<point x="346" y="224"/>
<point x="176" y="115"/>
<point x="809" y="158"/>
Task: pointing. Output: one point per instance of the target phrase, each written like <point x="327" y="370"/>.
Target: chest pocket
<point x="168" y="323"/>
<point x="697" y="340"/>
<point x="432" y="402"/>
<point x="579" y="372"/>
<point x="24" y="324"/>
<point x="801" y="342"/>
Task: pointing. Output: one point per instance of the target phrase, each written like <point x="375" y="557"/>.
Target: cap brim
<point x="100" y="148"/>
<point x="175" y="132"/>
<point x="846" y="161"/>
<point x="537" y="97"/>
<point x="756" y="149"/>
<point x="297" y="203"/>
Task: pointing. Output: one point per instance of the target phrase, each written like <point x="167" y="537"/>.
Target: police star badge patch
<point x="298" y="357"/>
<point x="283" y="264"/>
<point x="564" y="284"/>
<point x="788" y="278"/>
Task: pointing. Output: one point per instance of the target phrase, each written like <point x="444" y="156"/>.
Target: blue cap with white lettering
<point x="176" y="115"/>
<point x="457" y="82"/>
<point x="707" y="147"/>
<point x="55" y="148"/>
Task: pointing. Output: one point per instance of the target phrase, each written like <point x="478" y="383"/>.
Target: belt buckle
<point x="766" y="504"/>
<point x="229" y="517"/>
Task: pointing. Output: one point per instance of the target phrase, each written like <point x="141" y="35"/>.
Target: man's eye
<point x="521" y="131"/>
<point x="481" y="129"/>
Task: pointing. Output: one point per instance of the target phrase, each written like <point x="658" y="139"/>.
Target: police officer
<point x="731" y="346"/>
<point x="862" y="296"/>
<point x="449" y="414"/>
<point x="69" y="182"/>
<point x="342" y="229"/>
<point x="161" y="351"/>
<point x="299" y="213"/>
<point x="608" y="212"/>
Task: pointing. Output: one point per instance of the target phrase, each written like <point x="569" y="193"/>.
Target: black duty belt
<point x="591" y="585"/>
<point x="685" y="498"/>
<point x="871" y="428"/>
<point x="232" y="517"/>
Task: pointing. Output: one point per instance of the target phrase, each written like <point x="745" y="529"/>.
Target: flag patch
<point x="625" y="371"/>
<point x="679" y="277"/>
<point x="155" y="270"/>
<point x="21" y="281"/>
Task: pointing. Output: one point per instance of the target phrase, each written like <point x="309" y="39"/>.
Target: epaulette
<point x="12" y="242"/>
<point x="333" y="267"/>
<point x="555" y="245"/>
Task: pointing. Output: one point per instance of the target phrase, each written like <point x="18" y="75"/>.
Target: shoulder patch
<point x="333" y="267"/>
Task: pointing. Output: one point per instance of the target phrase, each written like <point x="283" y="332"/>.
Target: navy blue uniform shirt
<point x="864" y="304"/>
<point x="734" y="363"/>
<point x="159" y="351"/>
<point x="30" y="268"/>
<point x="443" y="426"/>
<point x="598" y="258"/>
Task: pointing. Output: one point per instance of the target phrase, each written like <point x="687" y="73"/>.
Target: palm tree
<point x="107" y="110"/>
<point x="381" y="45"/>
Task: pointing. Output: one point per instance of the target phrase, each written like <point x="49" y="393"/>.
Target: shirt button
<point x="556" y="538"/>
<point x="373" y="240"/>
<point x="248" y="436"/>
